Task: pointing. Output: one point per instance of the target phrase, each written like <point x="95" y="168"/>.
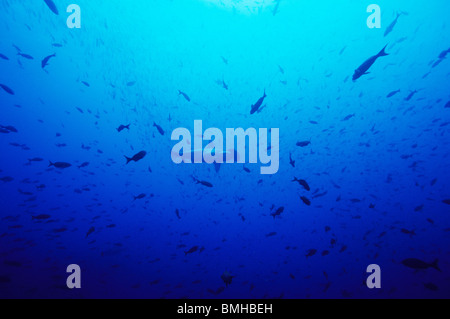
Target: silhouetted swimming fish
<point x="4" y="57"/>
<point x="291" y="161"/>
<point x="390" y="28"/>
<point x="411" y="95"/>
<point x="7" y="89"/>
<point x="392" y="94"/>
<point x="446" y="201"/>
<point x="136" y="157"/>
<point x="311" y="253"/>
<point x="44" y="62"/>
<point x="362" y="70"/>
<point x="85" y="164"/>
<point x="303" y="144"/>
<point x="90" y="231"/>
<point x="122" y="127"/>
<point x="258" y="104"/>
<point x="278" y="212"/>
<point x="305" y="200"/>
<point x="348" y="117"/>
<point x="26" y="56"/>
<point x="10" y="129"/>
<point x="303" y="183"/>
<point x="141" y="196"/>
<point x="190" y="251"/>
<point x="52" y="6"/>
<point x="207" y="184"/>
<point x="159" y="128"/>
<point x="227" y="278"/>
<point x="184" y="95"/>
<point x="419" y="264"/>
<point x="60" y="165"/>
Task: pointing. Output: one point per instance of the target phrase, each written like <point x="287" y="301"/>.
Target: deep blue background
<point x="393" y="153"/>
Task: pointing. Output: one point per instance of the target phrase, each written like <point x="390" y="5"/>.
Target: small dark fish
<point x="258" y="104"/>
<point x="408" y="232"/>
<point x="278" y="212"/>
<point x="348" y="117"/>
<point x="303" y="183"/>
<point x="90" y="231"/>
<point x="57" y="45"/>
<point x="184" y="95"/>
<point x="419" y="264"/>
<point x="52" y="6"/>
<point x="4" y="57"/>
<point x="207" y="184"/>
<point x="392" y="93"/>
<point x="305" y="200"/>
<point x="10" y="128"/>
<point x="390" y="28"/>
<point x="26" y="56"/>
<point x="41" y="217"/>
<point x="311" y="253"/>
<point x="60" y="165"/>
<point x="177" y="212"/>
<point x="132" y="83"/>
<point x="411" y="95"/>
<point x="6" y="179"/>
<point x="271" y="234"/>
<point x="44" y="62"/>
<point x="276" y="8"/>
<point x="7" y="89"/>
<point x="122" y="127"/>
<point x="85" y="164"/>
<point x="447" y="106"/>
<point x="86" y="84"/>
<point x="224" y="85"/>
<point x="141" y="196"/>
<point x="362" y="70"/>
<point x="136" y="157"/>
<point x="227" y="278"/>
<point x="190" y="251"/>
<point x="159" y="128"/>
<point x="291" y="161"/>
<point x="303" y="144"/>
<point x="446" y="201"/>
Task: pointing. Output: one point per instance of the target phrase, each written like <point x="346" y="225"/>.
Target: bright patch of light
<point x="245" y="6"/>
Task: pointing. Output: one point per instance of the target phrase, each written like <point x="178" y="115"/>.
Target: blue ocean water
<point x="376" y="165"/>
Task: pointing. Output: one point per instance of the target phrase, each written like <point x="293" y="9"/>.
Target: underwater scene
<point x="224" y="149"/>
